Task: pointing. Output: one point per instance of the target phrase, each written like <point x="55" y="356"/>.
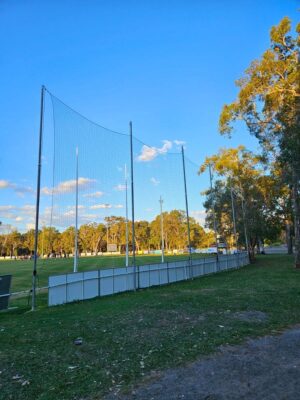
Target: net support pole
<point x="126" y="221"/>
<point x="75" y="268"/>
<point x="162" y="231"/>
<point x="132" y="206"/>
<point x="187" y="211"/>
<point x="214" y="214"/>
<point x="38" y="193"/>
<point x="233" y="215"/>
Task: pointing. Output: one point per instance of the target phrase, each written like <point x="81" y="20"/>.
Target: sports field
<point x="22" y="269"/>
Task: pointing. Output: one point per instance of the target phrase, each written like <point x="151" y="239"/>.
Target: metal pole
<point x="126" y="197"/>
<point x="76" y="218"/>
<point x="162" y="231"/>
<point x="233" y="215"/>
<point x="37" y="210"/>
<point x="107" y="235"/>
<point x="187" y="211"/>
<point x="43" y="234"/>
<point x="245" y="227"/>
<point x="214" y="213"/>
<point x="132" y="205"/>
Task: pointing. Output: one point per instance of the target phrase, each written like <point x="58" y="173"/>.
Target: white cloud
<point x="199" y="216"/>
<point x="19" y="189"/>
<point x="63" y="218"/>
<point x="28" y="208"/>
<point x="18" y="214"/>
<point x="105" y="206"/>
<point x="5" y="184"/>
<point x="68" y="186"/>
<point x="6" y="208"/>
<point x="149" y="153"/>
<point x="94" y="195"/>
<point x="30" y="226"/>
<point x="100" y="206"/>
<point x="180" y="144"/>
<point x="154" y="181"/>
<point x="120" y="187"/>
<point x="80" y="207"/>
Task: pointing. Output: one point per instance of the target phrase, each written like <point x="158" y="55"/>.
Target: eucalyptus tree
<point x="269" y="103"/>
<point x="256" y="195"/>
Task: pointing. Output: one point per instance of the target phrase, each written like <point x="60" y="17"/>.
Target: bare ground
<point x="267" y="368"/>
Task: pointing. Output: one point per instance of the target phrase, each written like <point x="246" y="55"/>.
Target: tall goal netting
<point x="84" y="179"/>
<point x="95" y="181"/>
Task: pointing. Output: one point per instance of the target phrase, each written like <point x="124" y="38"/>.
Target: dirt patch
<point x="207" y="290"/>
<point x="197" y="290"/>
<point x="251" y="316"/>
<point x="265" y="368"/>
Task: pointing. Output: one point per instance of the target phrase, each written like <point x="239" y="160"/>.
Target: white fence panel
<point x="86" y="285"/>
<point x="163" y="275"/>
<point x="106" y="282"/>
<point x="120" y="280"/>
<point x="74" y="287"/>
<point x="57" y="290"/>
<point x="90" y="284"/>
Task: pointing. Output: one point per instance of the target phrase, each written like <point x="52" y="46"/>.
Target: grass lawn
<point x="127" y="336"/>
<point x="22" y="269"/>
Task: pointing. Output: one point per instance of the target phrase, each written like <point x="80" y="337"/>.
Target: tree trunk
<point x="252" y="244"/>
<point x="296" y="209"/>
<point x="288" y="237"/>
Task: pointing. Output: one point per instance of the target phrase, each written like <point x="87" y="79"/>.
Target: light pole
<point x="162" y="231"/>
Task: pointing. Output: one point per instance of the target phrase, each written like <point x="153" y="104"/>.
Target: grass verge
<point x="128" y="336"/>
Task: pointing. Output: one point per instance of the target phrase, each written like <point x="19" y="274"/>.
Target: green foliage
<point x="269" y="103"/>
<point x="263" y="196"/>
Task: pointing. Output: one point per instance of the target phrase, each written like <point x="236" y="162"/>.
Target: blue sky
<point x="168" y="66"/>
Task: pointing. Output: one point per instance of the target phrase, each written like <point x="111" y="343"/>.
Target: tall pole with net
<point x="38" y="193"/>
<point x="132" y="205"/>
<point x="187" y="211"/>
<point x="75" y="269"/>
<point x="162" y="231"/>
<point x="126" y="221"/>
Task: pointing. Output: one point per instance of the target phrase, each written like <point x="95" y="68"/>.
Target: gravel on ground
<point x="267" y="368"/>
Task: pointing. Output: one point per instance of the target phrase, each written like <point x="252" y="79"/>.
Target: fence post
<point x="168" y="272"/>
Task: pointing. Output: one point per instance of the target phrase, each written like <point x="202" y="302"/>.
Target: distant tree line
<point x="94" y="237"/>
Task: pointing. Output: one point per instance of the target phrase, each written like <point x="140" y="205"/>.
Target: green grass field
<point x="128" y="336"/>
<point x="22" y="269"/>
